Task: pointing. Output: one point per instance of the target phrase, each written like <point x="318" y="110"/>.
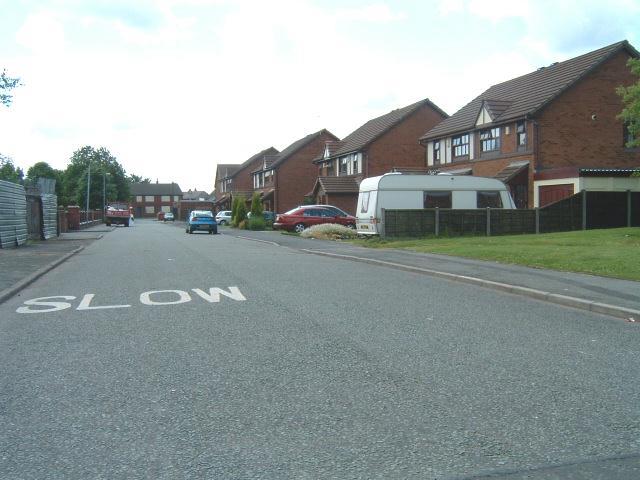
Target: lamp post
<point x="88" y="185"/>
<point x="104" y="195"/>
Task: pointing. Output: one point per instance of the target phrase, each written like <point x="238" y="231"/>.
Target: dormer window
<point x="490" y="139"/>
<point x="436" y="152"/>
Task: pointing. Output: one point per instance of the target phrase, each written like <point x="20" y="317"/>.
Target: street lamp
<point x="86" y="212"/>
<point x="104" y="194"/>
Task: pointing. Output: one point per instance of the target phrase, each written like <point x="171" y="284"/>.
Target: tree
<point x="44" y="170"/>
<point x="105" y="172"/>
<point x="631" y="100"/>
<point x="132" y="178"/>
<point x="6" y="85"/>
<point x="256" y="205"/>
<point x="9" y="172"/>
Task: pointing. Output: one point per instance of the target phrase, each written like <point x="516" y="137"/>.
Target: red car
<point x="306" y="216"/>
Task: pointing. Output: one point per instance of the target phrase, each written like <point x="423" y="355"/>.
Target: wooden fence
<point x="585" y="210"/>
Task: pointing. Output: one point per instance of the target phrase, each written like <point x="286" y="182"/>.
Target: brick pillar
<point x="63" y="222"/>
<point x="73" y="217"/>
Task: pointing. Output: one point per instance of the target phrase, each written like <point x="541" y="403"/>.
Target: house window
<point x="460" y="145"/>
<point x="330" y="169"/>
<point x="148" y="198"/>
<point x="149" y="209"/>
<point x="490" y="139"/>
<point x="166" y="198"/>
<point x="437" y="199"/>
<point x="268" y="176"/>
<point x="139" y="198"/>
<point x="344" y="164"/>
<point x="521" y="131"/>
<point x="436" y="153"/>
<point x="354" y="165"/>
<point x="489" y="199"/>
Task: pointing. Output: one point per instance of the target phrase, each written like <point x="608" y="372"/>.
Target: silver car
<point x="223" y="217"/>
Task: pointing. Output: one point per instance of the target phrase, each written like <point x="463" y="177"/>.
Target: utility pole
<point x="88" y="186"/>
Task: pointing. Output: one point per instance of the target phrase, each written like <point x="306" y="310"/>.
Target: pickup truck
<point x="117" y="214"/>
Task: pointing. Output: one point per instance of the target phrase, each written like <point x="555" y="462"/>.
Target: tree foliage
<point x="138" y="179"/>
<point x="256" y="205"/>
<point x="7" y="84"/>
<point x="631" y="99"/>
<point x="106" y="173"/>
<point x="9" y="172"/>
<point x="44" y="170"/>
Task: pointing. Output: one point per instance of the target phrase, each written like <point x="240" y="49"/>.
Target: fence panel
<point x="635" y="209"/>
<point x="512" y="222"/>
<point x="463" y="222"/>
<point x="13" y="214"/>
<point x="562" y="216"/>
<point x="34" y="216"/>
<point x="409" y="223"/>
<point x="49" y="216"/>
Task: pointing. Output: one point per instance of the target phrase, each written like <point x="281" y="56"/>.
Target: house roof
<point x="527" y="95"/>
<point x="370" y="131"/>
<point x="511" y="170"/>
<point x="155" y="189"/>
<point x="195" y="195"/>
<point x="235" y="168"/>
<point x="337" y="184"/>
<point x="225" y="170"/>
<point x="297" y="145"/>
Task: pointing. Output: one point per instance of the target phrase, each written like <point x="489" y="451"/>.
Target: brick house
<point x="538" y="132"/>
<point x="380" y="145"/>
<point x="234" y="180"/>
<point x="149" y="199"/>
<point x="283" y="180"/>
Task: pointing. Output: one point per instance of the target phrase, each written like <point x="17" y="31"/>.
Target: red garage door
<point x="553" y="193"/>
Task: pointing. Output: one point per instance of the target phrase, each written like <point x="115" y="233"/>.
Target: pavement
<point x="609" y="296"/>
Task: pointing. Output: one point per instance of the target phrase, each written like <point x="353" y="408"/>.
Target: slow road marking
<point x="151" y="298"/>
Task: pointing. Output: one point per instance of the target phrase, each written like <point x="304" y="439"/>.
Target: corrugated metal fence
<point x="49" y="216"/>
<point x="13" y="214"/>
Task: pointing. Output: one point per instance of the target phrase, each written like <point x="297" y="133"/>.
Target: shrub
<point x="241" y="212"/>
<point x="234" y="209"/>
<point x="329" y="231"/>
<point x="255" y="223"/>
<point x="256" y="205"/>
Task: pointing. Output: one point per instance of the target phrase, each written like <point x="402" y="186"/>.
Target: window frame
<point x="437" y="194"/>
<point x="493" y="194"/>
<point x="462" y="145"/>
<point x="437" y="152"/>
<point x="490" y="137"/>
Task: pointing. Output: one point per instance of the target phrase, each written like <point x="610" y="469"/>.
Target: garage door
<point x="553" y="193"/>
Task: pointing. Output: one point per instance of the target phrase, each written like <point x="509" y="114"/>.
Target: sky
<point x="173" y="87"/>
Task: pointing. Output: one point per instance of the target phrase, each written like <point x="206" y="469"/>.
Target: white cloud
<point x="42" y="32"/>
<point x="376" y="13"/>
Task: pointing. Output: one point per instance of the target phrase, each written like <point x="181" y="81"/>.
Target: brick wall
<point x="345" y="201"/>
<point x="568" y="134"/>
<point x="296" y="176"/>
<point x="399" y="147"/>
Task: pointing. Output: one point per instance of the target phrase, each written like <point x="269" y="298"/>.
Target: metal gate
<point x="13" y="214"/>
<point x="49" y="216"/>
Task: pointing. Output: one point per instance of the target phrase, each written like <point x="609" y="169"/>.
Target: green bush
<point x="255" y="223"/>
<point x="241" y="212"/>
<point x="234" y="210"/>
<point x="256" y="205"/>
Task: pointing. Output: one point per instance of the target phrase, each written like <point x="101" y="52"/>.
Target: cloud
<point x="376" y="13"/>
<point x="42" y="32"/>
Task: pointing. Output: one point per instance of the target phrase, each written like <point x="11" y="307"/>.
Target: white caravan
<point x="399" y="191"/>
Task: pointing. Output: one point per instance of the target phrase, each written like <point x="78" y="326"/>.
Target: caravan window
<point x="365" y="202"/>
<point x="437" y="199"/>
<point x="489" y="199"/>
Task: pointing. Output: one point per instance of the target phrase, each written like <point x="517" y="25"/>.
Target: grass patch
<point x="609" y="253"/>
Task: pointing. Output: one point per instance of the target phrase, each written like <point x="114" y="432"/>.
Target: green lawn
<point x="610" y="253"/>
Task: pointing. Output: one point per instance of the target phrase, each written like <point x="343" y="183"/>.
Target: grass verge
<point x="610" y="253"/>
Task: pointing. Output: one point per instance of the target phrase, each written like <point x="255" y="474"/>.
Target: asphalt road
<point x="201" y="356"/>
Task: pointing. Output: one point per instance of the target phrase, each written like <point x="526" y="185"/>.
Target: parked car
<point x="223" y="217"/>
<point x="202" y="220"/>
<point x="306" y="216"/>
<point x="168" y="217"/>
